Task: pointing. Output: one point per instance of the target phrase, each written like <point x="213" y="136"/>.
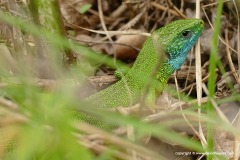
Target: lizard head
<point x="178" y="37"/>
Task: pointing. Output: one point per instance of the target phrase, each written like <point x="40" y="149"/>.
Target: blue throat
<point x="176" y="61"/>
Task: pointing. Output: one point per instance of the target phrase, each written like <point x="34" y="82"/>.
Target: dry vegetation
<point x="33" y="58"/>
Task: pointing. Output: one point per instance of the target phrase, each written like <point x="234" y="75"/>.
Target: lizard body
<point x="172" y="43"/>
<point x="168" y="45"/>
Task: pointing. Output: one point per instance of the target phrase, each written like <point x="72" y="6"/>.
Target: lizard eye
<point x="186" y="34"/>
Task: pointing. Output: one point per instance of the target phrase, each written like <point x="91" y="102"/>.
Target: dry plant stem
<point x="116" y="23"/>
<point x="190" y="90"/>
<point x="154" y="117"/>
<point x="99" y="149"/>
<point x="216" y="107"/>
<point x="13" y="119"/>
<point x="171" y="5"/>
<point x="8" y="104"/>
<point x="238" y="37"/>
<point x="200" y="158"/>
<point x="143" y="152"/>
<point x="237" y="139"/>
<point x="19" y="15"/>
<point x="102" y="20"/>
<point x="46" y="84"/>
<point x="50" y="84"/>
<point x="193" y="84"/>
<point x="220" y="38"/>
<point x="112" y="33"/>
<point x="184" y="117"/>
<point x="163" y="15"/>
<point x="215" y="3"/>
<point x="133" y="21"/>
<point x="12" y="116"/>
<point x="180" y="74"/>
<point x="182" y="4"/>
<point x="119" y="11"/>
<point x="236" y="148"/>
<point x="156" y="5"/>
<point x="101" y="42"/>
<point x="97" y="14"/>
<point x="231" y="65"/>
<point x="198" y="60"/>
<point x="199" y="80"/>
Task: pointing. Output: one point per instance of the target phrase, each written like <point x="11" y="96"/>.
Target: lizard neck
<point x="164" y="72"/>
<point x="147" y="61"/>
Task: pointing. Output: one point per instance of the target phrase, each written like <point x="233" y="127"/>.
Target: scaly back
<point x="162" y="53"/>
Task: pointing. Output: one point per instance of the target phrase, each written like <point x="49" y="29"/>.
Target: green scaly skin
<point x="162" y="54"/>
<point x="171" y="42"/>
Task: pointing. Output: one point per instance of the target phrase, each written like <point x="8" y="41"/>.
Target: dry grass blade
<point x="234" y="72"/>
<point x="143" y="152"/>
<point x="166" y="9"/>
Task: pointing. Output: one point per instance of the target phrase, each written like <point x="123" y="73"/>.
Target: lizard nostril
<point x="202" y="23"/>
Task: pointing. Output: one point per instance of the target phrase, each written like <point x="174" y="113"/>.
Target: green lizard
<point x="169" y="46"/>
<point x="174" y="40"/>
